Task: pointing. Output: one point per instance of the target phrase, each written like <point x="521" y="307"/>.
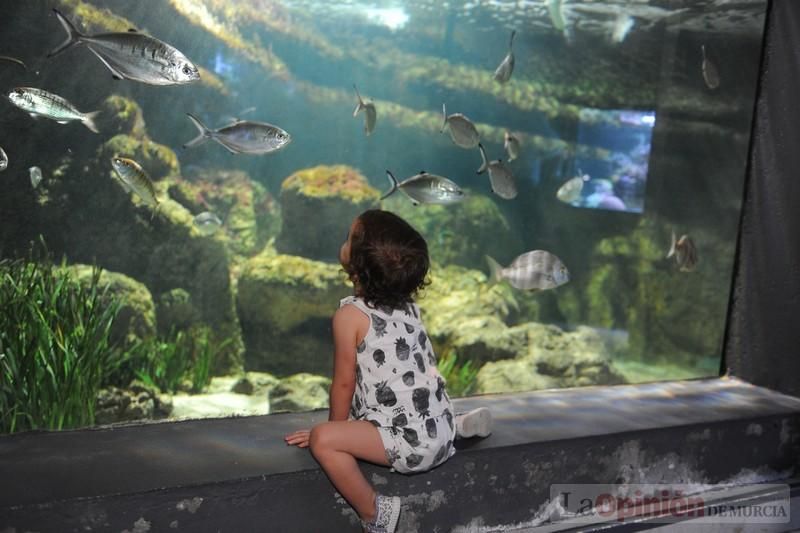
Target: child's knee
<point x="319" y="439"/>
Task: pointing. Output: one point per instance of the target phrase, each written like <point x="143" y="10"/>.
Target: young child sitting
<point x="388" y="403"/>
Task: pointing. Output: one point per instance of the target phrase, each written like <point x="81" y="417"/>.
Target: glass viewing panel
<point x="622" y="132"/>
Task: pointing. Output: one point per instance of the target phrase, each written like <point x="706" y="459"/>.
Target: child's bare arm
<point x="349" y="327"/>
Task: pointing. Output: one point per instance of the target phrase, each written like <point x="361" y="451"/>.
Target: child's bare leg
<point x="336" y="446"/>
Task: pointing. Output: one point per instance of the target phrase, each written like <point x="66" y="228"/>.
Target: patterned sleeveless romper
<point x="400" y="390"/>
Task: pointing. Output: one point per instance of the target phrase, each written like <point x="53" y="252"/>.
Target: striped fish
<point x="135" y="179"/>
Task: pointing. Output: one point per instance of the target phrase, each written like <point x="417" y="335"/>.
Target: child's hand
<point x="298" y="438"/>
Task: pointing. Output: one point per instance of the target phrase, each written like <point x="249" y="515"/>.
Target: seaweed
<point x="55" y="352"/>
<point x="181" y="360"/>
<point x="460" y="377"/>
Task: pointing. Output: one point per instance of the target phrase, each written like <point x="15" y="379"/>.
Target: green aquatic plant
<point x="183" y="356"/>
<point x="54" y="346"/>
<point x="461" y="378"/>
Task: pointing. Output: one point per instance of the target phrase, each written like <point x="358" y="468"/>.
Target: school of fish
<point x="135" y="56"/>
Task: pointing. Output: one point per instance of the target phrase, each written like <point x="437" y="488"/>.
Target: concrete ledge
<point x="236" y="474"/>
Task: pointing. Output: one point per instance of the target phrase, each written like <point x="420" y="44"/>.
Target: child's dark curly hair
<point x="388" y="259"/>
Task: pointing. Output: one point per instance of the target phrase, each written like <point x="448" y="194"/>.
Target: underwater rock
<point x="633" y="288"/>
<point x="250" y="214"/>
<point x="156" y="159"/>
<point x="300" y="392"/>
<point x="456" y="294"/>
<point x="486" y="338"/>
<point x="320" y="202"/>
<point x="517" y="375"/>
<point x="554" y="358"/>
<point x="137" y="316"/>
<point x="285" y="304"/>
<point x="282" y="291"/>
<point x="137" y="402"/>
<point x="243" y="386"/>
<point x="160" y="250"/>
<point x="175" y="311"/>
<point x="467" y="315"/>
<point x="120" y="115"/>
<point x="461" y="234"/>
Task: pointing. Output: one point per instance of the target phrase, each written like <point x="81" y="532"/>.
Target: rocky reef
<point x="320" y="202"/>
<point x="285" y="304"/>
<point x="461" y="234"/>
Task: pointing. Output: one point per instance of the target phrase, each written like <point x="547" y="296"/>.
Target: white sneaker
<point x="475" y="423"/>
<point x="387" y="513"/>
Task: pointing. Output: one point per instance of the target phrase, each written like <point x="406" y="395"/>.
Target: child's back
<point x="400" y="390"/>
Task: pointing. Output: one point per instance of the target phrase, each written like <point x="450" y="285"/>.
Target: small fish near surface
<point x="511" y="145"/>
<point x="462" y="130"/>
<point x="40" y="103"/>
<point x="207" y="223"/>
<point x="424" y="188"/>
<point x="132" y="55"/>
<point x="684" y="251"/>
<point x="571" y="190"/>
<point x="621" y="27"/>
<point x="555" y="9"/>
<point x="242" y="137"/>
<point x="36" y="176"/>
<point x="14" y="60"/>
<point x="503" y="72"/>
<point x="531" y="271"/>
<point x="710" y="72"/>
<point x="3" y="160"/>
<point x="500" y="176"/>
<point x="135" y="179"/>
<point x="370" y="114"/>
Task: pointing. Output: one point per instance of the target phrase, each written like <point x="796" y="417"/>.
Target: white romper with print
<point x="400" y="390"/>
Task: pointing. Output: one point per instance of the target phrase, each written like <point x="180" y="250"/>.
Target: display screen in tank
<point x="616" y="182"/>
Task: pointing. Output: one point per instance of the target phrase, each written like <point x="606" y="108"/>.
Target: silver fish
<point x="36" y="176"/>
<point x="570" y="191"/>
<point x="242" y="137"/>
<point x="462" y="130"/>
<point x="684" y="251"/>
<point x="503" y="72"/>
<point x="556" y="12"/>
<point x="536" y="270"/>
<point x="132" y="55"/>
<point x="135" y="179"/>
<point x="370" y="114"/>
<point x="40" y="103"/>
<point x="622" y="26"/>
<point x="500" y="176"/>
<point x="511" y="144"/>
<point x="3" y="160"/>
<point x="207" y="223"/>
<point x="710" y="72"/>
<point x="15" y="61"/>
<point x="424" y="188"/>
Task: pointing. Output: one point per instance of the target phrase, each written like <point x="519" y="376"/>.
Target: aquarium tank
<point x="178" y="177"/>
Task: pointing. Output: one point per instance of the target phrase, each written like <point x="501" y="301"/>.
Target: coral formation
<point x="322" y="196"/>
<point x="300" y="392"/>
<point x="632" y="286"/>
<point x="553" y="358"/>
<point x="249" y="213"/>
<point x="284" y="305"/>
<point x="136" y="318"/>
